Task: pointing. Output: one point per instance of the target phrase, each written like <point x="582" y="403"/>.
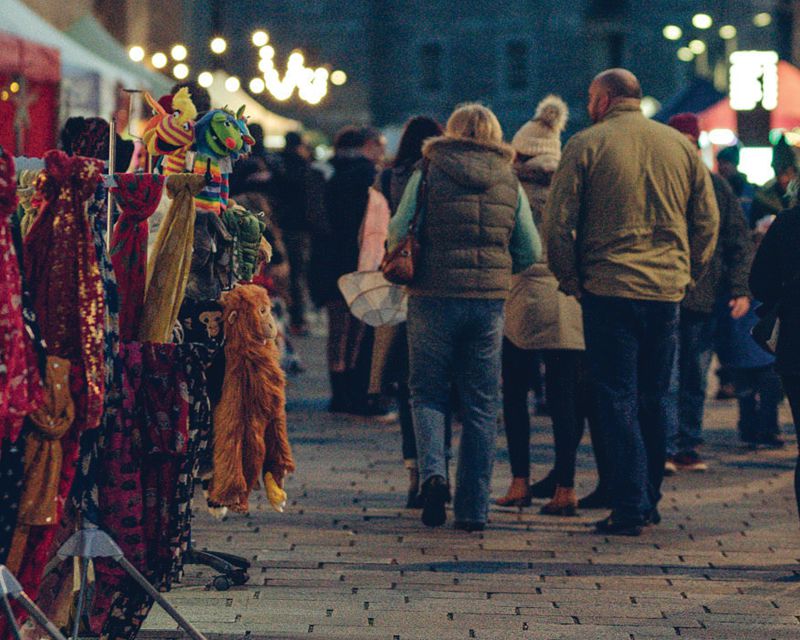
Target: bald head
<point x="608" y="88"/>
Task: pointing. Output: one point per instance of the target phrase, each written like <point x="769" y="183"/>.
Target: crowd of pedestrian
<point x="620" y="265"/>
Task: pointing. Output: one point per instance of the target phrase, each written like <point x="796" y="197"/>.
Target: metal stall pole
<point x="112" y="157"/>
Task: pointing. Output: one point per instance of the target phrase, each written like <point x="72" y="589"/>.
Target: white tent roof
<point x="21" y="21"/>
<point x="273" y="124"/>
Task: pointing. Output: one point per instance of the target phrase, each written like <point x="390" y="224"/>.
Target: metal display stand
<point x="232" y="569"/>
<point x="91" y="543"/>
<point x="10" y="587"/>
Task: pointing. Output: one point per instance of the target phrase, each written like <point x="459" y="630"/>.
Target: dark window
<point x="431" y="61"/>
<point x="517" y="57"/>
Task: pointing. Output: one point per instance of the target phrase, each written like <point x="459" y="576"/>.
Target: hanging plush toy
<point x="221" y="139"/>
<point x="250" y="438"/>
<point x="171" y="134"/>
<point x="247" y="228"/>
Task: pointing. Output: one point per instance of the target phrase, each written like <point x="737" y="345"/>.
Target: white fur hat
<point x="542" y="134"/>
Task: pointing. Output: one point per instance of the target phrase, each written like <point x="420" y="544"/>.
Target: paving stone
<point x="345" y="561"/>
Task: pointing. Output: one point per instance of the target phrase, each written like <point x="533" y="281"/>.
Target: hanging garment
<point x="12" y="468"/>
<point x="62" y="271"/>
<point x="138" y="196"/>
<point x="212" y="256"/>
<point x="63" y="275"/>
<point x="26" y="211"/>
<point x="168" y="265"/>
<point x="20" y="383"/>
<point x="171" y="419"/>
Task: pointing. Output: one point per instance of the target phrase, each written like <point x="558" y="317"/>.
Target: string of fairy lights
<point x="310" y="84"/>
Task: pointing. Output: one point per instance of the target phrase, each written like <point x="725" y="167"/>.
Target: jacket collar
<point x="623" y="106"/>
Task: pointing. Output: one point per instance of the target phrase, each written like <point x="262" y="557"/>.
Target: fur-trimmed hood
<point x="469" y="162"/>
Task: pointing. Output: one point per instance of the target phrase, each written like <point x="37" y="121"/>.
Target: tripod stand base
<point x="232" y="569"/>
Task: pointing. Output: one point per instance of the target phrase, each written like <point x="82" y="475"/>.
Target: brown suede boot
<point x="518" y="494"/>
<point x="564" y="503"/>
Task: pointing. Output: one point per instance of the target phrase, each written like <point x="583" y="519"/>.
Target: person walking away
<point x="631" y="221"/>
<point x="725" y="280"/>
<point x="776" y="194"/>
<point x="389" y="371"/>
<point x="335" y="253"/>
<point x="290" y="209"/>
<point x="541" y="319"/>
<point x="775" y="280"/>
<point x="476" y="230"/>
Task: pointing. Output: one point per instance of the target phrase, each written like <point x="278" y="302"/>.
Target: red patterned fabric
<point x="66" y="288"/>
<point x="20" y="382"/>
<point x="61" y="267"/>
<point x="138" y="196"/>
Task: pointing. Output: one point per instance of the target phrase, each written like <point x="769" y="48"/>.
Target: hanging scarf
<point x="20" y="382"/>
<point x="168" y="266"/>
<point x="138" y="196"/>
<point x="64" y="277"/>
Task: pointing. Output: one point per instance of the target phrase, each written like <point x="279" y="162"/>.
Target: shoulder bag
<point x="400" y="264"/>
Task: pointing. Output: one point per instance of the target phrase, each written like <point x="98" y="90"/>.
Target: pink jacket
<point x="374" y="229"/>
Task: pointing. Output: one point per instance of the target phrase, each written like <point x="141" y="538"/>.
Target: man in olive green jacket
<point x="632" y="221"/>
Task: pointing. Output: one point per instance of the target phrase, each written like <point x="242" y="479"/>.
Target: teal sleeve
<point x="525" y="246"/>
<point x="398" y="225"/>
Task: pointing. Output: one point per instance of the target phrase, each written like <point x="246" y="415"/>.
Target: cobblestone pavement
<point x="347" y="561"/>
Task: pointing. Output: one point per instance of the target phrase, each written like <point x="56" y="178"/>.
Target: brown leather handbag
<point x="400" y="264"/>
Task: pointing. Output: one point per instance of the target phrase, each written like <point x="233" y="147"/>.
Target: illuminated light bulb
<point x="266" y="53"/>
<point x="159" y="60"/>
<point x="180" y="71"/>
<point x="338" y="78"/>
<point x="14" y="86"/>
<point x="257" y="85"/>
<point x="4" y="96"/>
<point x="265" y="65"/>
<point x="260" y="38"/>
<point x="232" y="84"/>
<point x="136" y="54"/>
<point x="218" y="45"/>
<point x="702" y="21"/>
<point x="672" y="32"/>
<point x="205" y="79"/>
<point x="297" y="59"/>
<point x="762" y="19"/>
<point x="727" y="32"/>
<point x="697" y="47"/>
<point x="685" y="54"/>
<point x="179" y="52"/>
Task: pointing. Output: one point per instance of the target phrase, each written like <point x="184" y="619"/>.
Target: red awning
<point x="34" y="61"/>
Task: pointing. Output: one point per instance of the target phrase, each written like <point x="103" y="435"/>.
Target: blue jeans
<point x="456" y="340"/>
<point x="696" y="345"/>
<point x="630" y="346"/>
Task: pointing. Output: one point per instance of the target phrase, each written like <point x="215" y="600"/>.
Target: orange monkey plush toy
<point x="250" y="437"/>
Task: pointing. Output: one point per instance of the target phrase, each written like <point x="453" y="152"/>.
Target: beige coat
<point x="538" y="315"/>
<point x="631" y="212"/>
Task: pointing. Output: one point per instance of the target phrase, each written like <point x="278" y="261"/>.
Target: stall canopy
<point x="29" y="76"/>
<point x="275" y="126"/>
<point x="88" y="32"/>
<point x="90" y="83"/>
<point x="697" y="97"/>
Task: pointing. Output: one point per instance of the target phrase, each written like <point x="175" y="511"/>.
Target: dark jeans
<point x="630" y="346"/>
<point x="296" y="243"/>
<point x="569" y="400"/>
<point x="791" y="385"/>
<point x="759" y="393"/>
<point x="696" y="345"/>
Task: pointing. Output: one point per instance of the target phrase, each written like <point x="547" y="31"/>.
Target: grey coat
<point x="538" y="315"/>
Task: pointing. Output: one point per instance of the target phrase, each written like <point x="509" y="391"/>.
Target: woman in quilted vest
<point x="476" y="230"/>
